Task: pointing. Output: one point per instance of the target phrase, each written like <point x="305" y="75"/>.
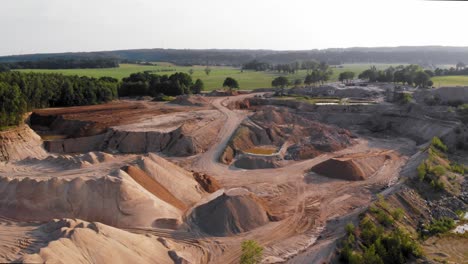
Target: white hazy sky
<point x="40" y="26"/>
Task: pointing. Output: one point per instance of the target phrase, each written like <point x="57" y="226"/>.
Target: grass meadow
<point x="248" y="80"/>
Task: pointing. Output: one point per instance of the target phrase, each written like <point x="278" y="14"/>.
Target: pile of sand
<point x="69" y="161"/>
<point x="353" y="167"/>
<point x="149" y="192"/>
<point x="191" y="100"/>
<point x="76" y="241"/>
<point x="19" y="143"/>
<point x="230" y="212"/>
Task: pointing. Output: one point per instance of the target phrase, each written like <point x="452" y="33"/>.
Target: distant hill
<point x="420" y="55"/>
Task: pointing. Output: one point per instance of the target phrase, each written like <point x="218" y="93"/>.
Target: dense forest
<point x="21" y="92"/>
<point x="61" y="63"/>
<point x="425" y="55"/>
<point x="146" y="83"/>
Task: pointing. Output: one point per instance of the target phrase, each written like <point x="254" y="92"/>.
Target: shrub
<point x="441" y="225"/>
<point x="422" y="171"/>
<point x="457" y="168"/>
<point x="397" y="214"/>
<point x="251" y="252"/>
<point x="438" y="170"/>
<point x="349" y="228"/>
<point x="437" y="143"/>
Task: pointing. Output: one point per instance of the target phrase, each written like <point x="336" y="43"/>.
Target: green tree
<point x="346" y="76"/>
<point x="280" y="82"/>
<point x="191" y="71"/>
<point x="231" y="83"/>
<point x="207" y="70"/>
<point x="421" y="79"/>
<point x="198" y="86"/>
<point x="251" y="252"/>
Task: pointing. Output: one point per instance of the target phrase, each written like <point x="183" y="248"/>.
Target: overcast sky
<point x="40" y="26"/>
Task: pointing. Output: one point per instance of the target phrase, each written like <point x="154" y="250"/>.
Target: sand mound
<point x="117" y="201"/>
<point x="354" y="167"/>
<point x="147" y="192"/>
<point x="230" y="212"/>
<point x="153" y="186"/>
<point x="179" y="182"/>
<point x="69" y="161"/>
<point x="191" y="100"/>
<point x="208" y="183"/>
<point x="76" y="241"/>
<point x="19" y="143"/>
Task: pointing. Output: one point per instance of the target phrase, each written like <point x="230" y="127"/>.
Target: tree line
<point x="411" y="74"/>
<point x="60" y="63"/>
<point x="22" y="92"/>
<point x="288" y="68"/>
<point x="459" y="69"/>
<point x="147" y="83"/>
<point x="420" y="55"/>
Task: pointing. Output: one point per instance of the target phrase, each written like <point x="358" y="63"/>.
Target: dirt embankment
<point x="19" y="143"/>
<point x="191" y="100"/>
<point x="230" y="212"/>
<point x="128" y="127"/>
<point x="277" y="126"/>
<point x="354" y="167"/>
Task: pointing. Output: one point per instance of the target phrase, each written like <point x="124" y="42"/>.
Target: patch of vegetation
<point x="379" y="238"/>
<point x="437" y="168"/>
<point x="440" y="226"/>
<point x="251" y="252"/>
<point x="407" y="98"/>
<point x="437" y="143"/>
<point x="376" y="245"/>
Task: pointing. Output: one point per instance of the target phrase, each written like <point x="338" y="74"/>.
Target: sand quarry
<point x="186" y="182"/>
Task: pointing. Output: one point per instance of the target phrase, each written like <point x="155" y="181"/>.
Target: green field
<point x="440" y="81"/>
<point x="247" y="79"/>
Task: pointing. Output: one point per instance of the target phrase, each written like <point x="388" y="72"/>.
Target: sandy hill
<point x="20" y="143"/>
<point x="147" y="192"/>
<point x="77" y="241"/>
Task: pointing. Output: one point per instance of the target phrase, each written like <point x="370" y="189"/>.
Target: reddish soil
<point x="101" y="117"/>
<point x="208" y="183"/>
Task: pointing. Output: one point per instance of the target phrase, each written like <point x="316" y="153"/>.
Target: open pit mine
<point x="139" y="181"/>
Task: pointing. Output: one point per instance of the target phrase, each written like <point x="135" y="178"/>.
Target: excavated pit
<point x="292" y="136"/>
